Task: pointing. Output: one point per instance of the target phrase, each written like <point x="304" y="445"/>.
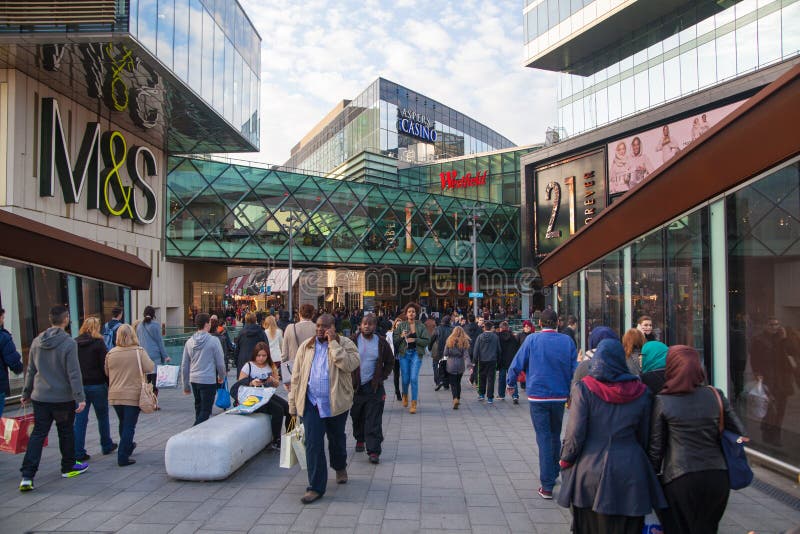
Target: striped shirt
<point x="319" y="390"/>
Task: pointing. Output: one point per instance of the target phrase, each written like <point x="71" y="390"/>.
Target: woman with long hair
<point x="632" y="342"/>
<point x="685" y="446"/>
<point x="262" y="371"/>
<point x="124" y="387"/>
<point x="410" y="337"/>
<point x="274" y="337"/>
<point x="149" y="333"/>
<point x="456" y="352"/>
<point x="92" y="357"/>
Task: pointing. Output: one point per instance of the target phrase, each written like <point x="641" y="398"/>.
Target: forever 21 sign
<point x="569" y="194"/>
<point x="107" y="190"/>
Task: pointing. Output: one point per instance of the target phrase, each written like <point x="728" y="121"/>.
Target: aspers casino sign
<point x="109" y="188"/>
<point x="416" y="125"/>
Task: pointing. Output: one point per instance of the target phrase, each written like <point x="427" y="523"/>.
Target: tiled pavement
<point x="471" y="470"/>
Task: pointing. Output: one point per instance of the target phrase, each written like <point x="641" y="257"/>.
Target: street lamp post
<point x="291" y="221"/>
<point x="473" y="221"/>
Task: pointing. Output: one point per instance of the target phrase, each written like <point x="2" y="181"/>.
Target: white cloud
<point x="465" y="54"/>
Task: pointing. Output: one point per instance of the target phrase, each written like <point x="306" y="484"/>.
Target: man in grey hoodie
<point x="54" y="385"/>
<point x="203" y="366"/>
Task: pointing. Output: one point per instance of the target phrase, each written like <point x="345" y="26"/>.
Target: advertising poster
<point x="569" y="194"/>
<point x="633" y="159"/>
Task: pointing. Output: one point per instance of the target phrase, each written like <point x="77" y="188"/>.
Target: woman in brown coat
<point x="124" y="386"/>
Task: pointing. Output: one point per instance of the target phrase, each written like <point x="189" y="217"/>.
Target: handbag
<point x="739" y="473"/>
<point x="148" y="402"/>
<point x="223" y="399"/>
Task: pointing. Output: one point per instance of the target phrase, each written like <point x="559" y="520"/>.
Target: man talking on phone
<point x="322" y="394"/>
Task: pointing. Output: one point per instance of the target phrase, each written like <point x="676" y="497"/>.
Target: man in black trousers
<point x="377" y="363"/>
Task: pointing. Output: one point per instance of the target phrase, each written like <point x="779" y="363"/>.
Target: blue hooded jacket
<point x="549" y="360"/>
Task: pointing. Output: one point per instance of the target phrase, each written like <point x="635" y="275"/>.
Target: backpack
<point x="109" y="334"/>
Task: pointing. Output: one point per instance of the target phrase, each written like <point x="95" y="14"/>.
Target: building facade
<point x="92" y="102"/>
<point x="657" y="210"/>
<point x="394" y="121"/>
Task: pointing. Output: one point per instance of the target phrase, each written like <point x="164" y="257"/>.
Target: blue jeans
<point x="128" y="417"/>
<point x="547" y="418"/>
<point x="316" y="429"/>
<point x="410" y="364"/>
<point x="2" y="403"/>
<point x="97" y="396"/>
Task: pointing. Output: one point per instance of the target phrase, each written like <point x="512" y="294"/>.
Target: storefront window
<point x="647" y="283"/>
<point x="764" y="298"/>
<point x="27" y="293"/>
<point x="569" y="301"/>
<point x="604" y="294"/>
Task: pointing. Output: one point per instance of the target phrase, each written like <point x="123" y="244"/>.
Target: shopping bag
<point x="16" y="432"/>
<point x="251" y="399"/>
<point x="288" y="456"/>
<point x="167" y="376"/>
<point x="223" y="396"/>
<point x="757" y="400"/>
<point x="286" y="372"/>
<point x="299" y="446"/>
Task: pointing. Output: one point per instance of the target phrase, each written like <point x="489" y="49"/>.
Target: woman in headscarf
<point x="654" y="360"/>
<point x="685" y="446"/>
<point x="598" y="334"/>
<point x="607" y="479"/>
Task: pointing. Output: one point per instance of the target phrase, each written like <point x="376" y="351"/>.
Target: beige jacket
<point x="124" y="380"/>
<point x="294" y="336"/>
<point x="342" y="361"/>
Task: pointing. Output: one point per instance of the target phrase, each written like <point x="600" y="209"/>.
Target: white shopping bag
<point x="286" y="372"/>
<point x="288" y="454"/>
<point x="299" y="446"/>
<point x="757" y="400"/>
<point x="167" y="376"/>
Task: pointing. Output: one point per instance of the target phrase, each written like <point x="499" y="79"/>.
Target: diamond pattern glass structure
<point x="227" y="212"/>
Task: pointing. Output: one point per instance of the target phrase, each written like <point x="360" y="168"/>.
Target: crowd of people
<point x="642" y="431"/>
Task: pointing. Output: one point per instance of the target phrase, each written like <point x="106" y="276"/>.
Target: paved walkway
<point x="471" y="470"/>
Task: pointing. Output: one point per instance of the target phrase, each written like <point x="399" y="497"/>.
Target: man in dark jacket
<point x="473" y="331"/>
<point x="283" y="320"/>
<point x="369" y="397"/>
<point x="53" y="383"/>
<point x="246" y="342"/>
<point x="485" y="354"/>
<point x="11" y="360"/>
<point x="438" y="340"/>
<point x="508" y="349"/>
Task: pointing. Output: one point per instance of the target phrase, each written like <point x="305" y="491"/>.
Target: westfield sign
<point x="450" y="179"/>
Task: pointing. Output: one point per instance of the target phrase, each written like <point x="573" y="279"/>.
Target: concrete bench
<point x="216" y="448"/>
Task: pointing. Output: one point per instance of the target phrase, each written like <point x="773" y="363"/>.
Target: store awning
<point x="29" y="241"/>
<point x="234" y="285"/>
<point x="278" y="280"/>
<point x="756" y="137"/>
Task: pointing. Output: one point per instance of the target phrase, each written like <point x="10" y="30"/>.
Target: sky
<point x="465" y="54"/>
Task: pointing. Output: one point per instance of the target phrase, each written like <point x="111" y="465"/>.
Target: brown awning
<point x="33" y="242"/>
<point x="759" y="135"/>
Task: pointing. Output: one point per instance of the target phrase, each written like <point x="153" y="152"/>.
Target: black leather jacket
<point x="684" y="433"/>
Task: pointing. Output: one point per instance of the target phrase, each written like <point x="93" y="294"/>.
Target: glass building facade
<point x="225" y="212"/>
<point x="27" y="292"/>
<point x="374" y="121"/>
<point x="687" y="51"/>
<point x="499" y="170"/>
<point x="668" y="275"/>
<point x="138" y="63"/>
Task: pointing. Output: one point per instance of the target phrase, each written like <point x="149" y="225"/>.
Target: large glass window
<point x="763" y="261"/>
<point x="647" y="280"/>
<point x="604" y="294"/>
